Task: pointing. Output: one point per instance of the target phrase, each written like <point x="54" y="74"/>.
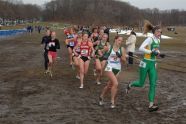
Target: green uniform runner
<point x="148" y="66"/>
<point x="100" y="46"/>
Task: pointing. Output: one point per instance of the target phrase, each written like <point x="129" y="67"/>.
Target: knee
<point x="85" y="72"/>
<point x="50" y="63"/>
<point x="82" y="71"/>
<point x="98" y="69"/>
<point x="76" y="64"/>
<point x="115" y="85"/>
<point x="109" y="86"/>
<point x="153" y="85"/>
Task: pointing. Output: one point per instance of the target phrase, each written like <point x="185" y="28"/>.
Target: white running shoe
<point x="128" y="88"/>
<point x="101" y="103"/>
<point x="98" y="83"/>
<point x="46" y="72"/>
<point x="81" y="87"/>
<point x="112" y="106"/>
<point x="78" y="77"/>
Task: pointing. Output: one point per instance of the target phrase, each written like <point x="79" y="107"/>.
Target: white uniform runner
<point x="114" y="62"/>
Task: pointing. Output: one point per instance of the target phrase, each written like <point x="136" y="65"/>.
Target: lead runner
<point x="150" y="48"/>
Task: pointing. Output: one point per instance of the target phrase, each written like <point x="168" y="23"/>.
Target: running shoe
<point x="153" y="108"/>
<point x="101" y="101"/>
<point x="81" y="87"/>
<point x="98" y="83"/>
<point x="46" y="72"/>
<point x="128" y="88"/>
<point x="78" y="77"/>
<point x="112" y="106"/>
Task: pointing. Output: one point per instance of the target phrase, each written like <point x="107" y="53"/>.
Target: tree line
<point x="88" y="12"/>
<point x="112" y="12"/>
<point x="15" y="9"/>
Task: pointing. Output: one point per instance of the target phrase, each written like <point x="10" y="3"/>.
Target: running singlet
<point x="114" y="61"/>
<point x="95" y="37"/>
<point x="153" y="45"/>
<point x="85" y="49"/>
<point x="53" y="45"/>
<point x="100" y="46"/>
<point x="71" y="43"/>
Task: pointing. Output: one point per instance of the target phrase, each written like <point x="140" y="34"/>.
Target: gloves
<point x="162" y="55"/>
<point x="155" y="52"/>
<point x="118" y="55"/>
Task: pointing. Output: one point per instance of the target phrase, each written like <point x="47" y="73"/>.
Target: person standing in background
<point x="130" y="43"/>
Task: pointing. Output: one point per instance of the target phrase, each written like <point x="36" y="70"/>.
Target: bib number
<point x="108" y="68"/>
<point x="142" y="64"/>
<point x="71" y="44"/>
<point x="84" y="52"/>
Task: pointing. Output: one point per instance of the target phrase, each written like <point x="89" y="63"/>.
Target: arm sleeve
<point x="147" y="42"/>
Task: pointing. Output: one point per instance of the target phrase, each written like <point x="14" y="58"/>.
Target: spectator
<point x="130" y="43"/>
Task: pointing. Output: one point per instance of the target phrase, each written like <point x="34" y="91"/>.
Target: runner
<point x="100" y="61"/>
<point x="70" y="41"/>
<point x="101" y="33"/>
<point x="94" y="37"/>
<point x="86" y="49"/>
<point x="52" y="47"/>
<point x="150" y="48"/>
<point x="116" y="54"/>
<point x="44" y="43"/>
<point x="76" y="57"/>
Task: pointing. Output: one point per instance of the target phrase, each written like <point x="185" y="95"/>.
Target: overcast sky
<point x="161" y="4"/>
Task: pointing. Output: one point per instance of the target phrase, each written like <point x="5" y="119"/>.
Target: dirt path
<point x="29" y="97"/>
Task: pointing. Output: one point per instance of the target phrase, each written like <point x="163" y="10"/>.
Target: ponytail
<point x="149" y="27"/>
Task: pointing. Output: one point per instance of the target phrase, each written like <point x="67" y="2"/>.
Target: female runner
<point x="86" y="49"/>
<point x="116" y="54"/>
<point x="150" y="48"/>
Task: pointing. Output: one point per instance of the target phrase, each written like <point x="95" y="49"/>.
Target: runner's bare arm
<point x="123" y="57"/>
<point x="91" y="48"/>
<point x="74" y="50"/>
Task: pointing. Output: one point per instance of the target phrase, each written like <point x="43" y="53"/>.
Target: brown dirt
<point x="29" y="97"/>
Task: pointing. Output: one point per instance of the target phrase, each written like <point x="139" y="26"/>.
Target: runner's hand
<point x="162" y="55"/>
<point x="156" y="52"/>
<point x="118" y="55"/>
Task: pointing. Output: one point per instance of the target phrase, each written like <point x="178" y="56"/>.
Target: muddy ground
<point x="27" y="96"/>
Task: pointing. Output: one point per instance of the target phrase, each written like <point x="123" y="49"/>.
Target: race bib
<point x="71" y="43"/>
<point x="142" y="64"/>
<point x="108" y="68"/>
<point x="84" y="52"/>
